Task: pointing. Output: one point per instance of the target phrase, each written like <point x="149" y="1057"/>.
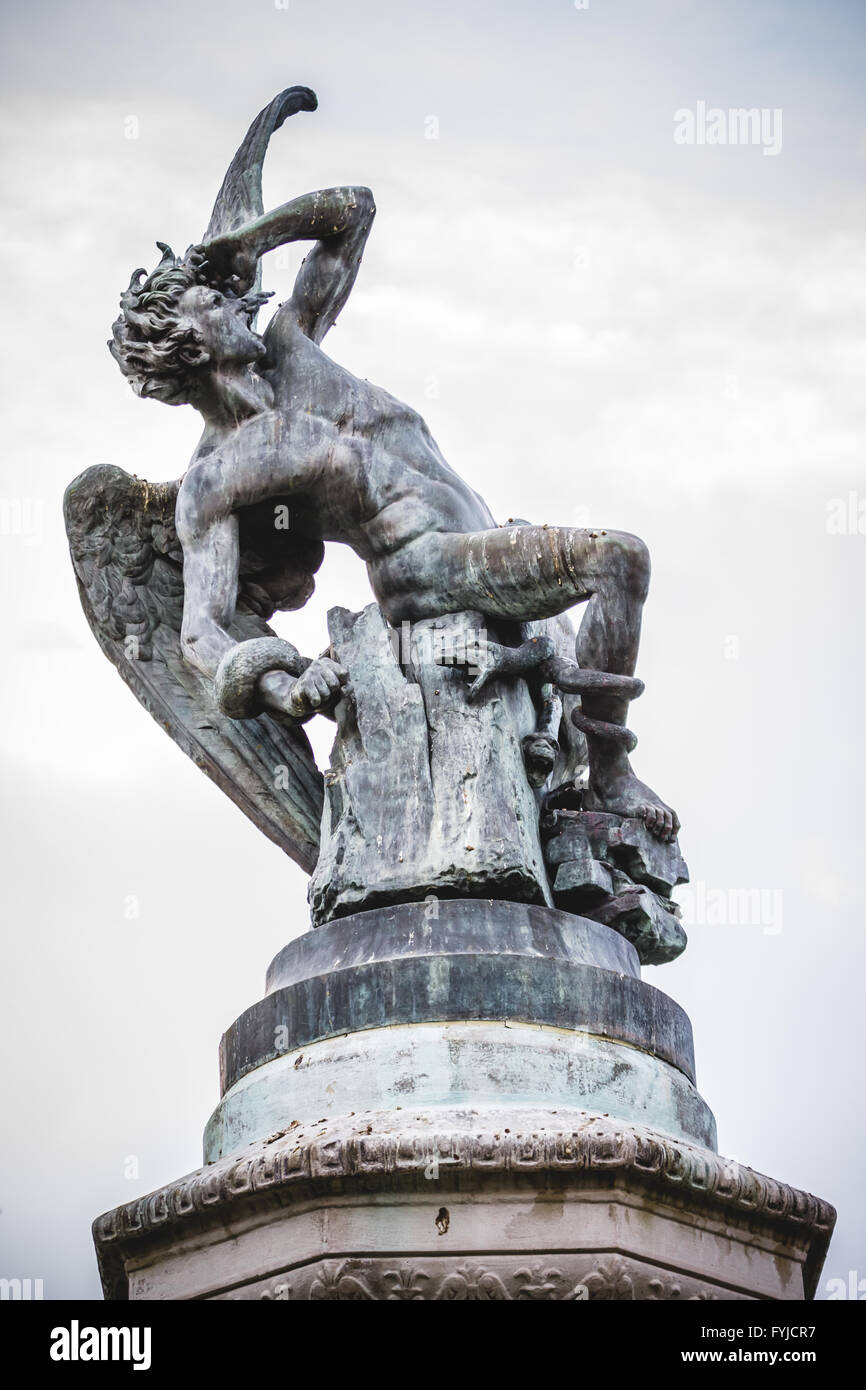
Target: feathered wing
<point x="128" y="563"/>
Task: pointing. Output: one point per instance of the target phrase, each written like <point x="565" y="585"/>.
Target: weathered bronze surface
<point x="469" y="716"/>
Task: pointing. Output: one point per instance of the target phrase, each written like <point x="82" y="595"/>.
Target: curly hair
<point x="154" y="348"/>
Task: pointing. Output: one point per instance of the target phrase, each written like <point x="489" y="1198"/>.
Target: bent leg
<point x="528" y="573"/>
<point x="523" y="573"/>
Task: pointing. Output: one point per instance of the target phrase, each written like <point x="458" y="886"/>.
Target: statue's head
<point x="174" y="327"/>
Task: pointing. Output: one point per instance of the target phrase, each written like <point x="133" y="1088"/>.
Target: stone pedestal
<point x="384" y="1133"/>
<point x="566" y="1205"/>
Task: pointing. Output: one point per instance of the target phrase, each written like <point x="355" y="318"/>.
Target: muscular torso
<point x="355" y="465"/>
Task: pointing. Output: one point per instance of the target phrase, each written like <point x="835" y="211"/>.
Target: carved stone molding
<point x="493" y="1279"/>
<point x="299" y="1166"/>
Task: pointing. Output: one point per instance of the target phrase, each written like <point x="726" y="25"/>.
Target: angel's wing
<point x="128" y="563"/>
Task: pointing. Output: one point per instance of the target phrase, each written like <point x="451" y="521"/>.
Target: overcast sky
<point x="601" y="326"/>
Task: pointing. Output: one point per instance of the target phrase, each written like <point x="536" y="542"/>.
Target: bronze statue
<point x="295" y="452"/>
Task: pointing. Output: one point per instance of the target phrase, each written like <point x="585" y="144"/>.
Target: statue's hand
<point x="224" y="262"/>
<point x="319" y="686"/>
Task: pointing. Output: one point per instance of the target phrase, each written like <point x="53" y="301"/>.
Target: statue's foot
<point x="616" y="789"/>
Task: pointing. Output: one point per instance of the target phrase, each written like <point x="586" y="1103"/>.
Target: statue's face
<point x="224" y="325"/>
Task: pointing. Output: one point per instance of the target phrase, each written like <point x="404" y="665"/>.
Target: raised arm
<point x="337" y="219"/>
<point x="329" y="271"/>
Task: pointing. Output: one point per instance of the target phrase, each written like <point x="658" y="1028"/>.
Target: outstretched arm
<point x="337" y="219"/>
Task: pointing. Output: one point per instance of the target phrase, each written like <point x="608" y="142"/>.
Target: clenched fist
<point x="320" y="684"/>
